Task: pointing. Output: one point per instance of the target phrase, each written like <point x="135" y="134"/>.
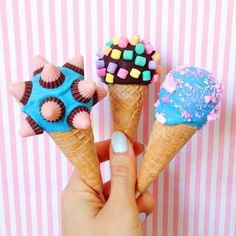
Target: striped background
<point x="196" y="193"/>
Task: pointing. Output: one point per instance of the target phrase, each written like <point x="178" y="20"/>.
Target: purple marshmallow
<point x="100" y="64"/>
<point x="111" y="67"/>
<point x="152" y="65"/>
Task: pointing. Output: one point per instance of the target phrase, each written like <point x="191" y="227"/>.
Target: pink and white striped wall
<point x="196" y="193"/>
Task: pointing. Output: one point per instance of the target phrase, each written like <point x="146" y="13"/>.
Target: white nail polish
<point x="119" y="142"/>
<point x="142" y="217"/>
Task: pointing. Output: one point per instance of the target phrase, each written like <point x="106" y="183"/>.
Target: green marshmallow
<point x="109" y="43"/>
<point x="140" y="61"/>
<point x="139" y="48"/>
<point x="128" y="55"/>
<point x="146" y="75"/>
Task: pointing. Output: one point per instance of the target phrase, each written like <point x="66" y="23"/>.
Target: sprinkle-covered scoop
<point x="128" y="61"/>
<point x="189" y="95"/>
<point x="59" y="100"/>
<point x="127" y="66"/>
<point x="189" y="98"/>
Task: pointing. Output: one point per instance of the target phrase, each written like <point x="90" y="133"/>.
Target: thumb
<point x="123" y="167"/>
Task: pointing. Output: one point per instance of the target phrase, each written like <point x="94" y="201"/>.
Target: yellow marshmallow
<point x="115" y="54"/>
<point x="135" y="73"/>
<point x="109" y="78"/>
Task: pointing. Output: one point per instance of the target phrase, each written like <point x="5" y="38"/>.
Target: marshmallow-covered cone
<point x="164" y="143"/>
<point x="126" y="102"/>
<point x="127" y="67"/>
<point x="78" y="146"/>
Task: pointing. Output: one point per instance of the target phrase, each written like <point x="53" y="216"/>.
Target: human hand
<point x="116" y="212"/>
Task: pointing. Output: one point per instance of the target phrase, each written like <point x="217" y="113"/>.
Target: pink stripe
<point x="11" y="118"/>
<point x="199" y="134"/>
<point x="189" y="145"/>
<point x="123" y="17"/>
<point x="177" y="158"/>
<point x="176" y="195"/>
<point x="4" y="183"/>
<point x="76" y="28"/>
<point x="210" y="130"/>
<point x="35" y="140"/>
<point x="135" y="5"/>
<point x="168" y="67"/>
<point x="57" y="151"/>
<point x="157" y="87"/>
<point x="46" y="138"/>
<point x="231" y="161"/>
<point x="146" y="101"/>
<point x="223" y="117"/>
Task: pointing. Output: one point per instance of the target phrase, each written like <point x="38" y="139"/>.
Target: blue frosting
<point x="63" y="92"/>
<point x="189" y="95"/>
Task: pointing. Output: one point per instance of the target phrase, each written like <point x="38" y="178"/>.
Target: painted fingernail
<point x="142" y="217"/>
<point x="119" y="142"/>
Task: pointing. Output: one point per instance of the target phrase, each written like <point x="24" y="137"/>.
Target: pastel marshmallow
<point x="122" y="73"/>
<point x="101" y="72"/>
<point x="148" y="48"/>
<point x="100" y="64"/>
<point x="111" y="67"/>
<point x="106" y="50"/>
<point x="155" y="78"/>
<point x="123" y="42"/>
<point x="115" y="54"/>
<point x="135" y="73"/>
<point x="152" y="65"/>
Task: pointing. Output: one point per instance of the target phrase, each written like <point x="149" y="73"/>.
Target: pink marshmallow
<point x="123" y="42"/>
<point x="101" y="72"/>
<point x="122" y="73"/>
<point x="148" y="48"/>
<point x="155" y="78"/>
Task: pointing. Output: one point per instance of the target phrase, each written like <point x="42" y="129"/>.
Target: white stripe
<point x="47" y="30"/>
<point x="43" y="183"/>
<point x="53" y="186"/>
<point x="82" y="26"/>
<point x="117" y="10"/>
<point x="216" y="125"/>
<point x="6" y="126"/>
<point x="194" y="157"/>
<point x="95" y="110"/>
<point x="176" y="14"/>
<point x="35" y="31"/>
<point x="129" y="17"/>
<point x="59" y="33"/>
<point x="70" y="27"/>
<point x="25" y="70"/>
<point x="232" y="204"/>
<point x="181" y="189"/>
<point x="2" y="203"/>
<point x="232" y="226"/>
<point x="187" y="35"/>
<point x="106" y="37"/>
<point x="229" y="99"/>
<point x="32" y="184"/>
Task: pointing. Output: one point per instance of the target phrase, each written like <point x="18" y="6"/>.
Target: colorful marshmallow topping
<point x="123" y="61"/>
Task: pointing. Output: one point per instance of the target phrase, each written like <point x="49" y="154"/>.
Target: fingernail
<point x="142" y="217"/>
<point x="119" y="142"/>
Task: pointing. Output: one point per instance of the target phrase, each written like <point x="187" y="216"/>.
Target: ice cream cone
<point x="59" y="102"/>
<point x="126" y="102"/>
<point x="127" y="66"/>
<point x="78" y="146"/>
<point x="164" y="143"/>
<point x="189" y="98"/>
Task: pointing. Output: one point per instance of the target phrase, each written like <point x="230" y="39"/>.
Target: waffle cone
<point x="78" y="146"/>
<point x="126" y="106"/>
<point x="164" y="143"/>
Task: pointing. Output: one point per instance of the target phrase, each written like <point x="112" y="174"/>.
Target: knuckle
<point x="120" y="170"/>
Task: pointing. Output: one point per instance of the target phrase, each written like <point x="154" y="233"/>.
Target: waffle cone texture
<point x="78" y="146"/>
<point x="126" y="103"/>
<point x="164" y="143"/>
